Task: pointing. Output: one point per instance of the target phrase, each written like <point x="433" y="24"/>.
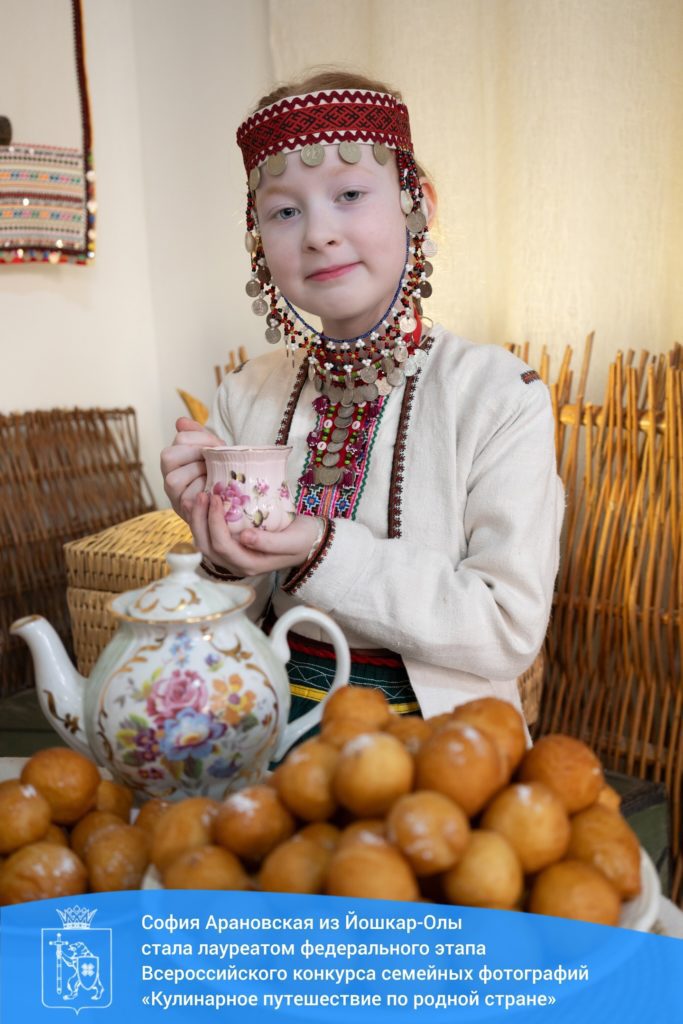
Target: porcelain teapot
<point x="189" y="697"/>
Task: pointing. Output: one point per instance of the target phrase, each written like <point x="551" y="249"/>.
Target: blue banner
<point x="181" y="956"/>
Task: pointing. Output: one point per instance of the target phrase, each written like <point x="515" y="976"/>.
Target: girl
<point x="429" y="507"/>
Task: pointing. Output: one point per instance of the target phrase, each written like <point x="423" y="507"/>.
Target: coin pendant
<point x="312" y="155"/>
<point x="427" y="266"/>
<point x="407" y="324"/>
<point x="420" y="357"/>
<point x="349" y="152"/>
<point x="263" y="274"/>
<point x="370" y="392"/>
<point x="388" y="365"/>
<point x="416" y="222"/>
<point x="276" y="164"/>
<point x="326" y="476"/>
<point x="339" y="435"/>
<point x="425" y="289"/>
<point x="260" y="307"/>
<point x="368" y="374"/>
<point x="249" y="242"/>
<point x="335" y="446"/>
<point x="381" y="152"/>
<point x="383" y="387"/>
<point x="344" y="416"/>
<point x="428" y="247"/>
<point x="348" y="397"/>
<point x="406" y="202"/>
<point x="253" y="288"/>
<point x="330" y="459"/>
<point x="311" y="371"/>
<point x="318" y="382"/>
<point x="254" y="178"/>
<point x="335" y="393"/>
<point x="273" y="335"/>
<point x="410" y="367"/>
<point x="400" y="353"/>
<point x="395" y="378"/>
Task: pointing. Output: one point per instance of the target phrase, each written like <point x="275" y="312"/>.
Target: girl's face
<point x="334" y="237"/>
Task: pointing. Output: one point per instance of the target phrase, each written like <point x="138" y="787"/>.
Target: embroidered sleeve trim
<point x="217" y="572"/>
<point x="301" y="573"/>
<point x="286" y="424"/>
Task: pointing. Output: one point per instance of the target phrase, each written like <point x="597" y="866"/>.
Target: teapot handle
<point x="278" y="638"/>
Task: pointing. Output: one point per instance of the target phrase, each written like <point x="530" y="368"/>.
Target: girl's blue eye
<point x="351" y="195"/>
<point x="286" y="213"/>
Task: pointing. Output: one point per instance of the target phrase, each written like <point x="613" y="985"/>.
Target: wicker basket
<point x="530" y="685"/>
<point x="98" y="567"/>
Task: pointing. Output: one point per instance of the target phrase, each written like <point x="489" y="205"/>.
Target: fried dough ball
<point x="24" y="815"/>
<point x="56" y="834"/>
<point x="41" y="871"/>
<point x="608" y="797"/>
<point x="183" y="826"/>
<point x="117" y="859"/>
<point x="67" y="780"/>
<point x="250" y="823"/>
<point x="488" y="874"/>
<point x="372" y="771"/>
<point x="371" y="871"/>
<point x="366" y="830"/>
<point x="461" y="762"/>
<point x="601" y="837"/>
<point x="411" y="730"/>
<point x="210" y="867"/>
<point x="323" y="833"/>
<point x="502" y="722"/>
<point x="150" y="812"/>
<point x="304" y="780"/>
<point x="437" y="721"/>
<point x="91" y="826"/>
<point x="567" y="766"/>
<point x="533" y="819"/>
<point x="364" y="703"/>
<point x="114" y="798"/>
<point x="297" y="865"/>
<point x="429" y="829"/>
<point x="338" y="731"/>
<point x="575" y="890"/>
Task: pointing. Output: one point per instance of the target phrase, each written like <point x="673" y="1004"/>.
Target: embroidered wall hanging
<point x="47" y="188"/>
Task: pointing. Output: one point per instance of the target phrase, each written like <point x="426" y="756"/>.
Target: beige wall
<point x="169" y="81"/>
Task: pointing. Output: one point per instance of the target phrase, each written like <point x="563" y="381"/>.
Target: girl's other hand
<point x="252" y="551"/>
<point x="183" y="466"/>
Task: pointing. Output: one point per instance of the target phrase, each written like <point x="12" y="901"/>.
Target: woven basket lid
<point x="183" y="595"/>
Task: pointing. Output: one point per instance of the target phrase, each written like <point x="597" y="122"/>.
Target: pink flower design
<point x="234" y="499"/>
<point x="284" y="490"/>
<point x="183" y="689"/>
<point x="261" y="486"/>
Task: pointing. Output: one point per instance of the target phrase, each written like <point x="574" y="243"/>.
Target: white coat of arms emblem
<point x="76" y="962"/>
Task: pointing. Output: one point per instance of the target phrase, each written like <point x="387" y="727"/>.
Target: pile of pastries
<point x="454" y="809"/>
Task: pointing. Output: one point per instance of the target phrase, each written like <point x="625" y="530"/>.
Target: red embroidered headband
<point x="309" y="122"/>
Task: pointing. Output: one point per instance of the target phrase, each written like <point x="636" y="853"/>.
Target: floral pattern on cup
<point x="188" y="711"/>
<point x="250" y="483"/>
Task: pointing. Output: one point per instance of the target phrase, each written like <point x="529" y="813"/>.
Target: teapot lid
<point x="183" y="595"/>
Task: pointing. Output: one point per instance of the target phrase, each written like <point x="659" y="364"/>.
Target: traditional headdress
<point x="351" y="371"/>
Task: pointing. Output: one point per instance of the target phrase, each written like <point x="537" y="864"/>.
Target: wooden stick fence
<point x="613" y="652"/>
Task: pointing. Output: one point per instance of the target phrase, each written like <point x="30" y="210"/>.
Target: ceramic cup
<point x="252" y="481"/>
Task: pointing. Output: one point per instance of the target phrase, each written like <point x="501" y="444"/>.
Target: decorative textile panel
<point x="47" y="203"/>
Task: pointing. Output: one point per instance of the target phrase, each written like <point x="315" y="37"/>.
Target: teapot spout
<point x="59" y="686"/>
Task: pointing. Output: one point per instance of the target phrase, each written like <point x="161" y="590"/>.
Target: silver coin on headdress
<point x="254" y="178"/>
<point x="253" y="288"/>
<point x="380" y="152"/>
<point x="273" y="335"/>
<point x="416" y="222"/>
<point x="349" y="152"/>
<point x="259" y="306"/>
<point x="276" y="164"/>
<point x="250" y="241"/>
<point x="312" y="155"/>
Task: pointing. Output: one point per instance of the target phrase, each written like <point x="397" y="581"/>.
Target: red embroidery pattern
<point x="332" y="116"/>
<point x="398" y="464"/>
<point x="529" y="376"/>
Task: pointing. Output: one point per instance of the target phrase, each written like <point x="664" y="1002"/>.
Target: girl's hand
<point x="252" y="551"/>
<point x="183" y="466"/>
